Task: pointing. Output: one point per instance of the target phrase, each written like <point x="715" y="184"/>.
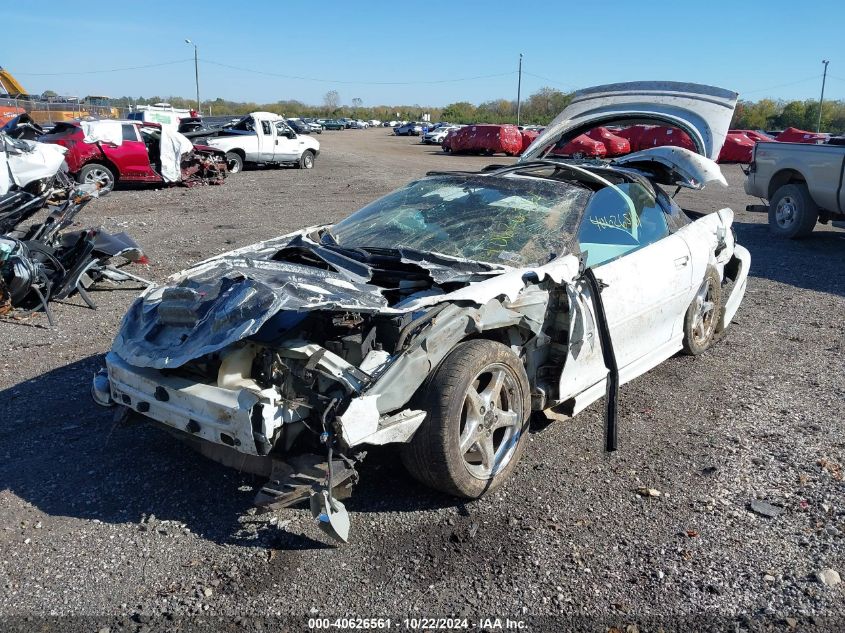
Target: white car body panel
<point x="584" y="376"/>
<point x="693" y="170"/>
<point x="23" y="162"/>
<point x="703" y="112"/>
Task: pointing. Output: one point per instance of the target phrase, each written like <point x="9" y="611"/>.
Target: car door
<point x="645" y="272"/>
<point x="130" y="157"/>
<point x="266" y="143"/>
<point x="285" y="149"/>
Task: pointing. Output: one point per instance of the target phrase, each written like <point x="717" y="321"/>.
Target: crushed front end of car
<point x="285" y="358"/>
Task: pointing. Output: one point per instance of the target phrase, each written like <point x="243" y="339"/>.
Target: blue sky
<point x="450" y="51"/>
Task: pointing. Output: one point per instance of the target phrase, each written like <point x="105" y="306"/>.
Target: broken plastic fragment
<point x="331" y="516"/>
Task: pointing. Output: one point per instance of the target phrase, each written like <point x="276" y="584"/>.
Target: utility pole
<point x="196" y="74"/>
<point x="821" y="99"/>
<point x="519" y="91"/>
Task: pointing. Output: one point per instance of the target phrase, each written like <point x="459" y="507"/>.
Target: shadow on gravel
<point x="385" y="486"/>
<point x="814" y="263"/>
<point x="65" y="456"/>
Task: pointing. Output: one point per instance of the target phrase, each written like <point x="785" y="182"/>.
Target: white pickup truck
<point x="263" y="137"/>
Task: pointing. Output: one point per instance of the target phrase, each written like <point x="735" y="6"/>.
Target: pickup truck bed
<point x="802" y="183"/>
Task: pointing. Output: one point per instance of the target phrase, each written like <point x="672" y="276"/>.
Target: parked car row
<point x="437" y="135"/>
<point x="305" y="126"/>
<point x="600" y="142"/>
<point x="344" y="123"/>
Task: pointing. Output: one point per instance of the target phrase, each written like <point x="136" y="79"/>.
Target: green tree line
<point x="538" y="108"/>
<point x="768" y="114"/>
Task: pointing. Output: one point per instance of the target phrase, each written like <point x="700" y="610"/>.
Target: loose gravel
<point x="744" y="445"/>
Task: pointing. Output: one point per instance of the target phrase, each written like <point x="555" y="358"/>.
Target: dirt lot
<point x="124" y="522"/>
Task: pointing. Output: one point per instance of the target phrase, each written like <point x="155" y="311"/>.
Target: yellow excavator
<point x="15" y="100"/>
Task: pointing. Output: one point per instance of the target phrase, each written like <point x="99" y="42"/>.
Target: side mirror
<point x="290" y="134"/>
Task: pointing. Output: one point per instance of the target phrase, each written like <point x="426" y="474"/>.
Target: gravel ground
<point x="124" y="523"/>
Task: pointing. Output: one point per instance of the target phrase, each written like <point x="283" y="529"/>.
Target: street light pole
<point x="821" y="99"/>
<point x="519" y="91"/>
<point x="196" y="73"/>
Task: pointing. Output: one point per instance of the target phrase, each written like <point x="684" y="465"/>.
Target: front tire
<point x="98" y="174"/>
<point x="234" y="162"/>
<point x="792" y="212"/>
<point x="702" y="318"/>
<point x="306" y="161"/>
<point x="478" y="404"/>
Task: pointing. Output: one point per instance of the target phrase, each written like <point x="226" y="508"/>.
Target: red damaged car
<point x="107" y="152"/>
<point x="484" y="139"/>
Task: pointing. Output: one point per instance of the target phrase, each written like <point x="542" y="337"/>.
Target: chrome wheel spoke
<point x="487" y="452"/>
<point x="504" y="419"/>
<point x="475" y="404"/>
<point x="491" y="393"/>
<point x="469" y="435"/>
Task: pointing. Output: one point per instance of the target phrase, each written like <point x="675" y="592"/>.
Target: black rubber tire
<point x="306" y="161"/>
<point x="234" y="162"/>
<point x="433" y="455"/>
<point x="86" y="174"/>
<point x="694" y="345"/>
<point x="805" y="212"/>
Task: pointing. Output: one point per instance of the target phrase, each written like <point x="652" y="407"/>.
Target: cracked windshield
<point x="516" y="221"/>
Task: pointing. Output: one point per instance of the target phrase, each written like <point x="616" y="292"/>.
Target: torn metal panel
<point x="230" y="297"/>
<point x="397" y="428"/>
<point x="295" y="479"/>
<point x="25" y="162"/>
<point x="360" y="420"/>
<point x="735" y="274"/>
<point x="675" y="166"/>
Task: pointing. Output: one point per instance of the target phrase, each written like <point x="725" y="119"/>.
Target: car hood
<point x="703" y="112"/>
<point x="266" y="288"/>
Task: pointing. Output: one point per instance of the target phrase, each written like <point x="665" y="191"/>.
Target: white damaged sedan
<point x="439" y="317"/>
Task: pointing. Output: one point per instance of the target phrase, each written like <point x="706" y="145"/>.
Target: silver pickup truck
<point x="802" y="183"/>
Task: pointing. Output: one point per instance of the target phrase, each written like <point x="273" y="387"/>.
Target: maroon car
<point x="131" y="154"/>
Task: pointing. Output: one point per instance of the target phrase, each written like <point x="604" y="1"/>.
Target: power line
<point x="347" y="81"/>
<point x="552" y="81"/>
<point x="269" y="74"/>
<point x="791" y="83"/>
<point x="108" y="70"/>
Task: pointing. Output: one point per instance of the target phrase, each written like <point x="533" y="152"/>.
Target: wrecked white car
<point x="440" y="316"/>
